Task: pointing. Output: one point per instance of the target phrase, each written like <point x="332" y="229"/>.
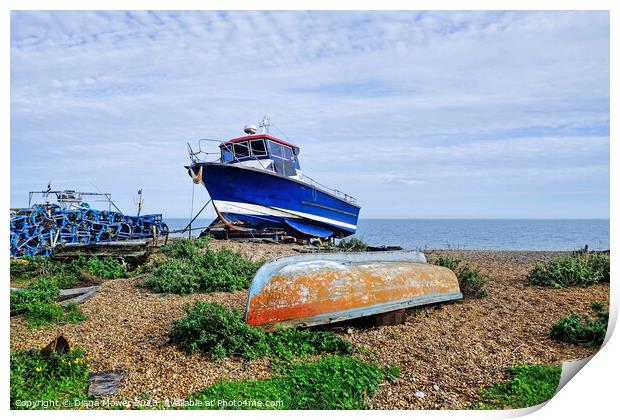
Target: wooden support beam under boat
<point x="228" y="224"/>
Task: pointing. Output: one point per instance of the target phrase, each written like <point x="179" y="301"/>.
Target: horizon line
<point x="452" y="218"/>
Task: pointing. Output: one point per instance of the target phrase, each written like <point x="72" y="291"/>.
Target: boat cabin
<point x="262" y="151"/>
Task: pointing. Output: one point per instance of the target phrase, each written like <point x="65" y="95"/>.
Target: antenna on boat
<point x="264" y="125"/>
<point x="140" y="202"/>
<point x="249" y="129"/>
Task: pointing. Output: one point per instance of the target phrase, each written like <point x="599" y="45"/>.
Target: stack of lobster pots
<point x="37" y="230"/>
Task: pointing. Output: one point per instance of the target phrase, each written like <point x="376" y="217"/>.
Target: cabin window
<point x="288" y="153"/>
<point x="275" y="149"/>
<point x="258" y="148"/>
<point x="241" y="150"/>
<point x="227" y="155"/>
<point x="281" y="151"/>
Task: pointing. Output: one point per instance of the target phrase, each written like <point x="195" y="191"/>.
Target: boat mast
<point x="264" y="125"/>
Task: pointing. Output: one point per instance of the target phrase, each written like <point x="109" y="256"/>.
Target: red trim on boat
<point x="259" y="136"/>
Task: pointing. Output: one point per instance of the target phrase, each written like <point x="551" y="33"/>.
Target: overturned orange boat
<point x="315" y="289"/>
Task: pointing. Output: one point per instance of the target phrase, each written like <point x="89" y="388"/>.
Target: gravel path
<point x="448" y="351"/>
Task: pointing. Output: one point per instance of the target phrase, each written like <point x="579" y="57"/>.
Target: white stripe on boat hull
<point x="258" y="210"/>
<point x="321" y="219"/>
<point x="249" y="209"/>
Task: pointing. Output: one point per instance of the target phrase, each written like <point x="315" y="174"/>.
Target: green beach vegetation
<point x="352" y="245"/>
<point x="471" y="280"/>
<point x="527" y="386"/>
<point x="38" y="304"/>
<point x="337" y="381"/>
<point x="333" y="383"/>
<point x="448" y="262"/>
<point x="48" y="382"/>
<point x="42" y="278"/>
<point x="582" y="329"/>
<point x="44" y="291"/>
<point x="45" y="314"/>
<point x="66" y="275"/>
<point x="578" y="269"/>
<point x="189" y="266"/>
<point x="219" y="332"/>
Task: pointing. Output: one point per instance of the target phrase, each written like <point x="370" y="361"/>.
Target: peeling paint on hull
<point x="323" y="288"/>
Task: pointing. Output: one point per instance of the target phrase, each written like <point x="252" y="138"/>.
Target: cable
<point x="283" y="133"/>
<point x="191" y="214"/>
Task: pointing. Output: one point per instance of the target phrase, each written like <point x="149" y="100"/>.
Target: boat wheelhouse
<point x="262" y="151"/>
<point x="257" y="183"/>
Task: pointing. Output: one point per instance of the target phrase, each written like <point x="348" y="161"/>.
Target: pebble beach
<point x="447" y="353"/>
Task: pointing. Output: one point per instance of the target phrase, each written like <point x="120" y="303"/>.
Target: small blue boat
<point x="257" y="183"/>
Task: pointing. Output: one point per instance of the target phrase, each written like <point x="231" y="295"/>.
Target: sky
<point x="416" y="114"/>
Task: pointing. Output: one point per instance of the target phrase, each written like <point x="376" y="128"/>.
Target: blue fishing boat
<point x="257" y="183"/>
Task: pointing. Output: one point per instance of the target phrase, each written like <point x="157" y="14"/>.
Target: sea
<point x="494" y="234"/>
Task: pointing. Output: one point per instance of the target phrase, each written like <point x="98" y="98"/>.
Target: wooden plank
<point x="80" y="299"/>
<point x="121" y="249"/>
<point x="71" y="293"/>
<point x="389" y="318"/>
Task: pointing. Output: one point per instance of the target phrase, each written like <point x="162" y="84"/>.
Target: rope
<point x="198" y="178"/>
<point x="191" y="213"/>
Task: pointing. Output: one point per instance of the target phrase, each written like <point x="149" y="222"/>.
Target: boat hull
<point x="317" y="289"/>
<point x="253" y="198"/>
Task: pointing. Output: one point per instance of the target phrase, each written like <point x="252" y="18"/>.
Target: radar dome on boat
<point x="249" y="129"/>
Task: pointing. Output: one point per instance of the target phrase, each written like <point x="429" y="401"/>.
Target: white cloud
<point x="115" y="95"/>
